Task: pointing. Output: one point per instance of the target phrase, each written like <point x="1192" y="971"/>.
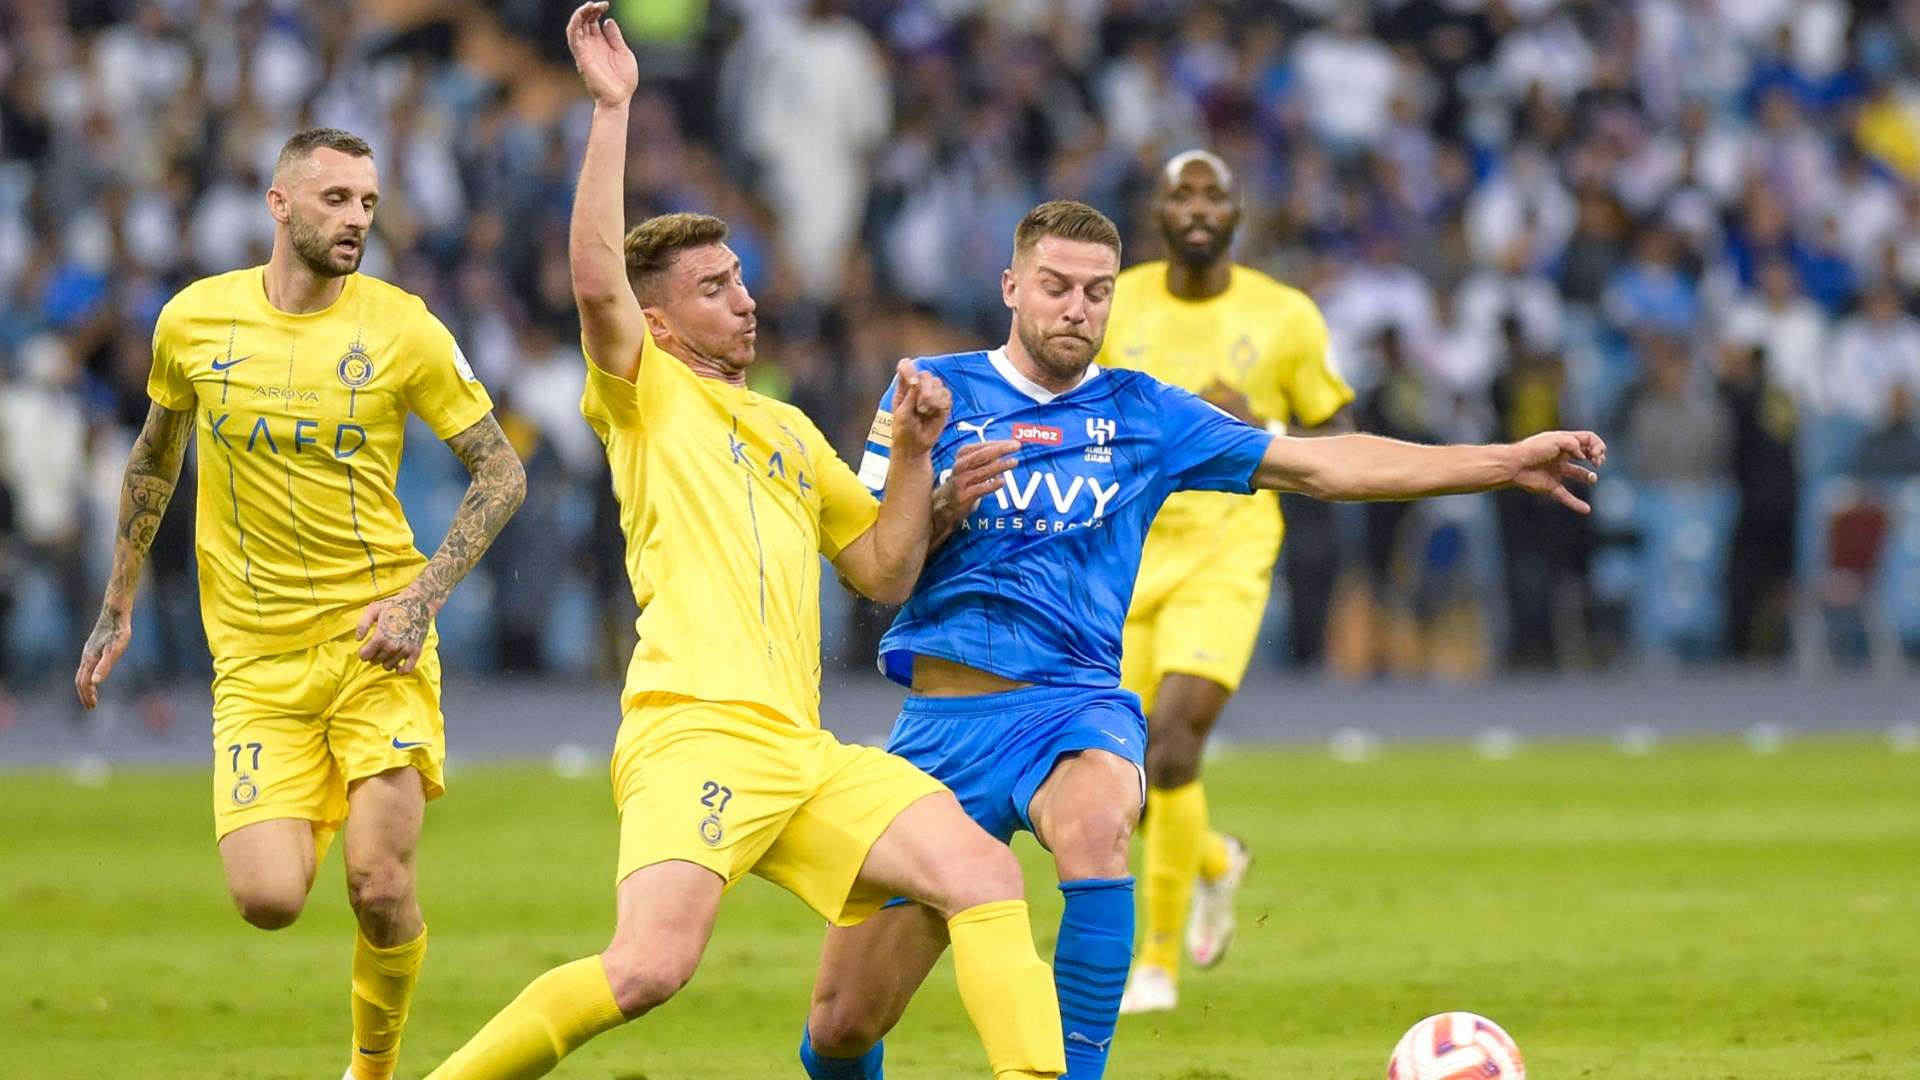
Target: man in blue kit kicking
<point x="1011" y="641"/>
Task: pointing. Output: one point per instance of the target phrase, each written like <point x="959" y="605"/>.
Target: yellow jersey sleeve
<point x="167" y="383"/>
<point x="1294" y="379"/>
<point x="847" y="508"/>
<point x="441" y="388"/>
<point x="609" y="402"/>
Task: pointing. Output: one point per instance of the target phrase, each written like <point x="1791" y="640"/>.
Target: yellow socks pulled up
<point x="1008" y="991"/>
<point x="554" y="1016"/>
<point x="1214" y="860"/>
<point x="383" y="981"/>
<point x="1178" y="846"/>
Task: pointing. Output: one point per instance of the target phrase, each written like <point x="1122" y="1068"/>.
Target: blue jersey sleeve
<point x="1204" y="448"/>
<point x="879" y="452"/>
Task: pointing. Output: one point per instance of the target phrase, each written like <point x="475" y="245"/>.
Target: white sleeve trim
<point x="873" y="471"/>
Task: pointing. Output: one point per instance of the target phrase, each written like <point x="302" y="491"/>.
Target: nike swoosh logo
<point x="1074" y="1036"/>
<point x="398" y="745"/>
<point x="371" y="1053"/>
<point x="218" y="366"/>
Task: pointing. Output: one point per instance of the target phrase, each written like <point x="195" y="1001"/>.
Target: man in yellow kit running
<point x="728" y="500"/>
<point x="1258" y="349"/>
<point x="319" y="610"/>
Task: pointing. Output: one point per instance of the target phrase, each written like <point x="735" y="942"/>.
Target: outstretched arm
<point x="610" y="316"/>
<point x="1370" y="468"/>
<point x="153" y="470"/>
<point x="499" y="485"/>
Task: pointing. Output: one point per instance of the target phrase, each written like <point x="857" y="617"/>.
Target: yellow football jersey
<point x="300" y="423"/>
<point x="1261" y="338"/>
<point x="728" y="499"/>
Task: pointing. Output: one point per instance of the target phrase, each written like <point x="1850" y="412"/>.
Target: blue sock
<point x="864" y="1067"/>
<point x="1090" y="968"/>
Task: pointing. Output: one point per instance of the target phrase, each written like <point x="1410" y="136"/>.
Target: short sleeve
<point x="1204" y="448"/>
<point x="879" y="451"/>
<point x="1297" y="381"/>
<point x="608" y="401"/>
<point x="441" y="388"/>
<point x="847" y="508"/>
<point x="167" y="383"/>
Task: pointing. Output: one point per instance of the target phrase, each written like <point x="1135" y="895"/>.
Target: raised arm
<point x="153" y="470"/>
<point x="884" y="562"/>
<point x="610" y="315"/>
<point x="1370" y="468"/>
<point x="498" y="487"/>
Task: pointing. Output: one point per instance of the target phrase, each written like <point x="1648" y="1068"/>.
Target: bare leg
<point x="383" y="831"/>
<point x="969" y="890"/>
<point x="666" y="914"/>
<point x="269" y="866"/>
<point x="1085" y="813"/>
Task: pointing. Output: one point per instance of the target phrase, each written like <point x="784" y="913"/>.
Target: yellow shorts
<point x="737" y="790"/>
<point x="293" y="730"/>
<point x="1197" y="610"/>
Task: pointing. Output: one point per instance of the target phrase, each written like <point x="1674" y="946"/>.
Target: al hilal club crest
<point x="356" y="368"/>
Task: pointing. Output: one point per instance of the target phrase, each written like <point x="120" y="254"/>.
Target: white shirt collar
<point x="998" y="358"/>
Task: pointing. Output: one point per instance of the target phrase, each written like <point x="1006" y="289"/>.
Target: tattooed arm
<point x="400" y="622"/>
<point x="153" y="468"/>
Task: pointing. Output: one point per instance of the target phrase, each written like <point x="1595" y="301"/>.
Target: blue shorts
<point x="995" y="750"/>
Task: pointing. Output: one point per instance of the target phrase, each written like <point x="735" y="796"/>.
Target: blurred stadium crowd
<point x="1693" y="225"/>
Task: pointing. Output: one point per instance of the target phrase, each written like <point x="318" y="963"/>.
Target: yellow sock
<point x="383" y="981"/>
<point x="1213" y="855"/>
<point x="552" y="1017"/>
<point x="1176" y="825"/>
<point x="1008" y="991"/>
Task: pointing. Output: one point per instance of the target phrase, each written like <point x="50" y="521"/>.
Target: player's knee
<point x="982" y="872"/>
<point x="381" y="891"/>
<point x="269" y="906"/>
<point x="642" y="982"/>
<point x="841" y="1028"/>
<point x="1173" y="761"/>
<point x="1171" y="771"/>
<point x="1093" y="843"/>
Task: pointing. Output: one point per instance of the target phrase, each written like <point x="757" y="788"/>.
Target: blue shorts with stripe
<point x="995" y="750"/>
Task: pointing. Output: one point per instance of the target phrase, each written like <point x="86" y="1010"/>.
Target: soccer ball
<point x="1456" y="1046"/>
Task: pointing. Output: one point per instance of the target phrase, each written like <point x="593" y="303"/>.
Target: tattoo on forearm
<point x="498" y="487"/>
<point x="947" y="513"/>
<point x="153" y="470"/>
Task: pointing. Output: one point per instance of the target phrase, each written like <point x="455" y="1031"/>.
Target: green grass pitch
<point x="1700" y="912"/>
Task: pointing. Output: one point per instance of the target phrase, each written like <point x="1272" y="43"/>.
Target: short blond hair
<point x="652" y="245"/>
<point x="1068" y="220"/>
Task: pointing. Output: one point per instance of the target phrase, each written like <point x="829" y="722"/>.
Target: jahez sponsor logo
<point x="1037" y="433"/>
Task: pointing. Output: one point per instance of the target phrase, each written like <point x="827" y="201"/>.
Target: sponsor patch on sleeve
<point x="881" y="433"/>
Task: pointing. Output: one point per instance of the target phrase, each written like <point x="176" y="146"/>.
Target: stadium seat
<point x="1899" y="585"/>
<point x="1828" y="443"/>
<point x="1685" y="531"/>
<point x="1860" y="591"/>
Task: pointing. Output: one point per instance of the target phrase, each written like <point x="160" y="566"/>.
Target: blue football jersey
<point x="1035" y="584"/>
